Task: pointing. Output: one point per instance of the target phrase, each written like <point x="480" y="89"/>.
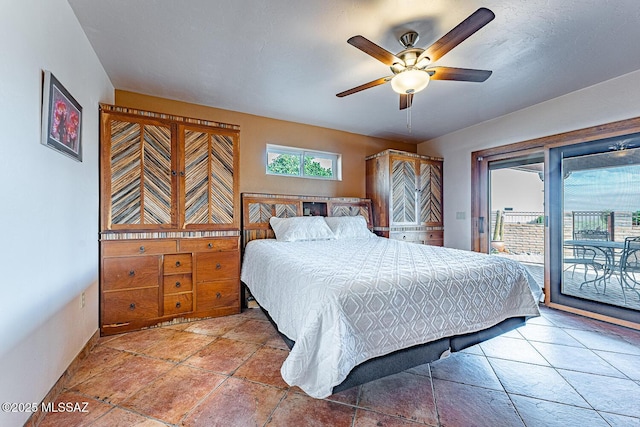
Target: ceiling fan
<point x="411" y="67"/>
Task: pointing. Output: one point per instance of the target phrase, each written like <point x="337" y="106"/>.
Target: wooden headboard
<point x="257" y="209"/>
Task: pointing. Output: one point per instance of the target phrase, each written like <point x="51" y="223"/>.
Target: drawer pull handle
<point x="218" y="295"/>
<point x="210" y="245"/>
<point x="404" y="237"/>
<point x="141" y="248"/>
<point x="132" y="273"/>
<point x="181" y="173"/>
<point x="132" y="306"/>
<point x="173" y="173"/>
<point x="177" y="263"/>
<point x="177" y="284"/>
<point x="178" y="304"/>
<point x="218" y="266"/>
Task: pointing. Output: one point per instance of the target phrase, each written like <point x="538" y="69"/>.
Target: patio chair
<point x="630" y="267"/>
<point x="605" y="257"/>
<point x="587" y="257"/>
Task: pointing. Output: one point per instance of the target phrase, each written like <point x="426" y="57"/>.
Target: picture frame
<point x="61" y="119"/>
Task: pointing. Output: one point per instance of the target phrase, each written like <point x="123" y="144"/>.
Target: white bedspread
<point x="346" y="301"/>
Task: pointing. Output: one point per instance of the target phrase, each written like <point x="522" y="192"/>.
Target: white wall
<point x="606" y="102"/>
<point x="49" y="202"/>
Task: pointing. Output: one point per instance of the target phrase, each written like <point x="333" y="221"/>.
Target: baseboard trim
<point x="36" y="418"/>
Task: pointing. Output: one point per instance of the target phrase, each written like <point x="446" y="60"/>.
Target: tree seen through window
<point x="289" y="164"/>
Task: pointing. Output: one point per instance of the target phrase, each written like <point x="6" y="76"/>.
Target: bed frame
<point x="258" y="208"/>
<point x="256" y="211"/>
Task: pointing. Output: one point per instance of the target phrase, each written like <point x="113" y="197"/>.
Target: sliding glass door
<point x="594" y="220"/>
<point x="516" y="211"/>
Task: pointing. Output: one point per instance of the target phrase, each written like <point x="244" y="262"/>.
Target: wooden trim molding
<point x="162" y="116"/>
<point x="594" y="133"/>
<point x="403" y="153"/>
<point x="480" y="215"/>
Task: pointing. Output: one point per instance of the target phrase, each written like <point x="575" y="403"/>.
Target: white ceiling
<point x="286" y="59"/>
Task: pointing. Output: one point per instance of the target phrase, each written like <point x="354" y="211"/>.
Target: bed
<point x="353" y="306"/>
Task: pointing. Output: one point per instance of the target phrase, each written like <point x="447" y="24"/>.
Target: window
<point x="290" y="161"/>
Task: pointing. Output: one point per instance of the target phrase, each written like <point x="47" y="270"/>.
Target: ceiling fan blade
<point x="460" y="74"/>
<point x="406" y="100"/>
<point x="371" y="84"/>
<point x="370" y="48"/>
<point x="458" y="34"/>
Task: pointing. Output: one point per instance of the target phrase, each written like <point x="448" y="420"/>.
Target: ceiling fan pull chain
<point x="409" y="117"/>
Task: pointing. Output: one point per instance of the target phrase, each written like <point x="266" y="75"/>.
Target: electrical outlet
<point x="82" y="300"/>
<point x="461" y="215"/>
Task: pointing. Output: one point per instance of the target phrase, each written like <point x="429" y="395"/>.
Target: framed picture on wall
<point x="61" y="119"/>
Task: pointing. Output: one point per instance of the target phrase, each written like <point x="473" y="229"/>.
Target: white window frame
<point x="301" y="153"/>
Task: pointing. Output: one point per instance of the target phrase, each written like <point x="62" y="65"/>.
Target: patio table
<point x="607" y="248"/>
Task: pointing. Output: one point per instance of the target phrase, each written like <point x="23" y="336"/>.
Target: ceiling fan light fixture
<point x="422" y="63"/>
<point x="397" y="67"/>
<point x="410" y="81"/>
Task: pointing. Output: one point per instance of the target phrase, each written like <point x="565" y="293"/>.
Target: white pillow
<point x="301" y="228"/>
<point x="349" y="227"/>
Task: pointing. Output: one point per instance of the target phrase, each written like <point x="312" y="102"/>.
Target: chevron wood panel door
<point x="140" y="181"/>
<point x="209" y="179"/>
<point x="126" y="192"/>
<point x="222" y="180"/>
<point x="196" y="180"/>
<point x="430" y="193"/>
<point x="157" y="176"/>
<point x="403" y="190"/>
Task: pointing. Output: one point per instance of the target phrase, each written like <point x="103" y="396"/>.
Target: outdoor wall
<point x="606" y="102"/>
<point x="256" y="132"/>
<point x="49" y="215"/>
<point x="522" y="231"/>
<point x="624" y="227"/>
<point x="524" y="238"/>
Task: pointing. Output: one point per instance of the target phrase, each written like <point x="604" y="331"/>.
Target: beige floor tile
<point x="121" y="381"/>
<point x="301" y="411"/>
<point x="264" y="367"/>
<point x="236" y="403"/>
<point x="223" y="355"/>
<point x="174" y="394"/>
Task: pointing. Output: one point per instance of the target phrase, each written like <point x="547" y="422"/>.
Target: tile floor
<point x="558" y="370"/>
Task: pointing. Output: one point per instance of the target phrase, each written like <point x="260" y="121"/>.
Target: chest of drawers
<point x="149" y="282"/>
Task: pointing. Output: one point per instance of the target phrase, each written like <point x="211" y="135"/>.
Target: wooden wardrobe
<point x="406" y="191"/>
<point x="169" y="219"/>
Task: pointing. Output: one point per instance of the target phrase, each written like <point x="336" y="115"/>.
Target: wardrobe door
<point x="403" y="191"/>
<point x="430" y="193"/>
<point x="138" y="177"/>
<point x="209" y="186"/>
